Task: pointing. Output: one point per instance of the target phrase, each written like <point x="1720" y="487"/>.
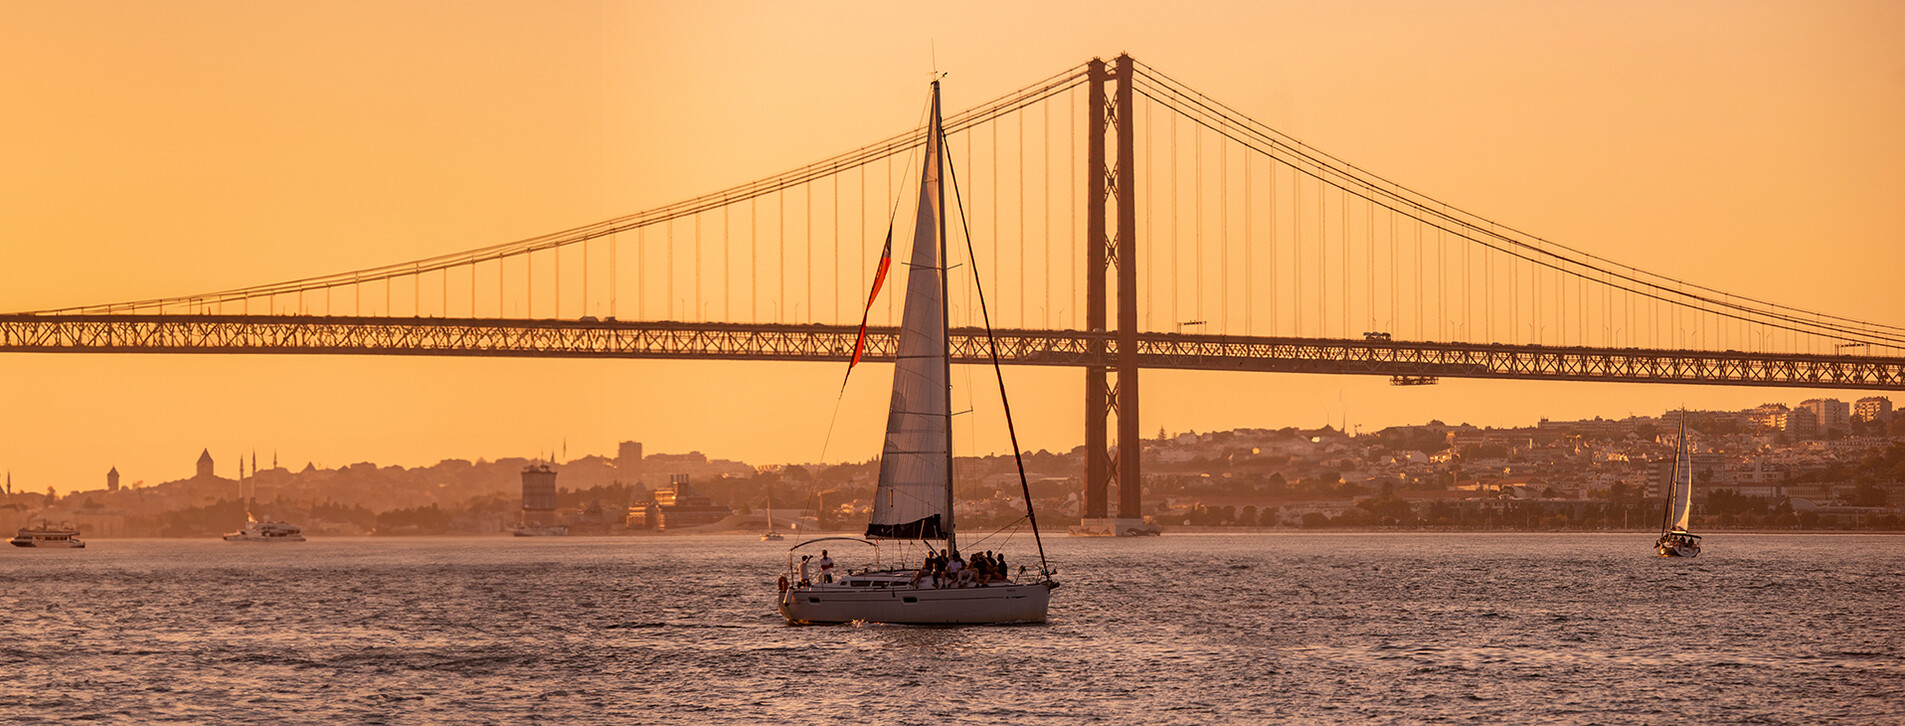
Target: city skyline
<point x="202" y="146"/>
<point x="1772" y="415"/>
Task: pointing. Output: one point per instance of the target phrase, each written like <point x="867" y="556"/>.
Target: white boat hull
<point x="1000" y="603"/>
<point x="58" y="544"/>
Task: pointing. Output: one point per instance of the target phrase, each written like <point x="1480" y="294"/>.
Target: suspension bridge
<point x="1119" y="220"/>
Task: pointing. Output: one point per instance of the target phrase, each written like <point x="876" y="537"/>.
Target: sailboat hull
<point x="1007" y="603"/>
<point x="1676" y="551"/>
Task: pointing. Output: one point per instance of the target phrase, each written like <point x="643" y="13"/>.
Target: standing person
<point x="803" y="570"/>
<point x="826" y="567"/>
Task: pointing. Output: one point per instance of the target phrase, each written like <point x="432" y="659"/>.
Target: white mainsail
<point x="1680" y="507"/>
<point x="913" y="500"/>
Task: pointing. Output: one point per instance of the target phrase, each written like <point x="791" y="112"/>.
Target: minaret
<point x="205" y="464"/>
<point x="112" y="480"/>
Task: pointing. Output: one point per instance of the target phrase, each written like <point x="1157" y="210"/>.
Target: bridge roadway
<point x="321" y="335"/>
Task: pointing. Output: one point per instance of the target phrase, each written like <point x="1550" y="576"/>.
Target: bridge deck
<point x="727" y="341"/>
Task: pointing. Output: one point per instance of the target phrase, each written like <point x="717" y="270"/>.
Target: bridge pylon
<point x="1112" y="390"/>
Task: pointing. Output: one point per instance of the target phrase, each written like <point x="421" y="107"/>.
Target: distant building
<point x="1833" y="414"/>
<point x="539" y="496"/>
<point x="628" y="461"/>
<point x="1802" y="423"/>
<point x="676" y="507"/>
<point x="112" y="480"/>
<point x="205" y="464"/>
<point x="1768" y="416"/>
<point x="1873" y="408"/>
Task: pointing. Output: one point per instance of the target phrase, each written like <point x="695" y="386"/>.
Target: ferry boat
<point x="64" y="536"/>
<point x="261" y="531"/>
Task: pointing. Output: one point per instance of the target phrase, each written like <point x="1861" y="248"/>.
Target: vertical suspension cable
<point x="1249" y="242"/>
<point x="837" y="315"/>
<point x="1150" y="274"/>
<point x="1422" y="330"/>
<point x="807" y="249"/>
<point x="754" y="260"/>
<point x="669" y="289"/>
<point x="694" y="306"/>
<point x="780" y="301"/>
<point x="1197" y="222"/>
<point x="727" y="265"/>
<point x="1296" y="253"/>
<point x="1045" y="147"/>
<point x="1369" y="263"/>
<point x="1223" y="234"/>
<point x="1442" y="283"/>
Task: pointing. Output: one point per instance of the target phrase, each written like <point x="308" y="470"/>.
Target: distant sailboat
<point x="771" y="535"/>
<point x="914" y="500"/>
<point x="1675" y="540"/>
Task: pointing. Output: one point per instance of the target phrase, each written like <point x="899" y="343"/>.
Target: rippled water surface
<point x="1189" y="629"/>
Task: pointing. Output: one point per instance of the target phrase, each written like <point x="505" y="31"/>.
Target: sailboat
<point x="913" y="501"/>
<point x="770" y="535"/>
<point x="1675" y="540"/>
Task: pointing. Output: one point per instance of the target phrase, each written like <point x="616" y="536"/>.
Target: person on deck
<point x="804" y="560"/>
<point x="826" y="567"/>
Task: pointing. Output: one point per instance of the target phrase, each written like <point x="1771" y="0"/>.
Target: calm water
<point x="1190" y="629"/>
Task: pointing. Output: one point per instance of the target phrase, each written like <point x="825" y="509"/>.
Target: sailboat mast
<point x="938" y="151"/>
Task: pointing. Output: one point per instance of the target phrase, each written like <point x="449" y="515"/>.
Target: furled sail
<point x="1681" y="507"/>
<point x="912" y="501"/>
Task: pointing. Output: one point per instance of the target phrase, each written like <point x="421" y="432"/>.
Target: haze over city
<point x="193" y="147"/>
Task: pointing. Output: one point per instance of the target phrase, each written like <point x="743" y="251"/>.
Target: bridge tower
<point x="1112" y="389"/>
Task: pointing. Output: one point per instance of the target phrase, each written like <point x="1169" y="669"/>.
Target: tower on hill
<point x="205" y="464"/>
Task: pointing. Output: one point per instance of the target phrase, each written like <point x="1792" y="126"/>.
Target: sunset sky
<point x="159" y="149"/>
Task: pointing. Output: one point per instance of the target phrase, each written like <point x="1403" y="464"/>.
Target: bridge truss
<point x="321" y="335"/>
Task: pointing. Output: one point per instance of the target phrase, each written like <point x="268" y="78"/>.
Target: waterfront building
<point x="539" y="496"/>
<point x="679" y="506"/>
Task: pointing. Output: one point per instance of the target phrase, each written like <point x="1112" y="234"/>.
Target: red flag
<point x="879" y="278"/>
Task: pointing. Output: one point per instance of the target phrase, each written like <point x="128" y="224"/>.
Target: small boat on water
<point x="256" y="530"/>
<point x="1675" y="540"/>
<point x="64" y="536"/>
<point x="770" y="535"/>
<point x="913" y="500"/>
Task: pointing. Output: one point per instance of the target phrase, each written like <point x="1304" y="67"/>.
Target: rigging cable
<point x="992" y="347"/>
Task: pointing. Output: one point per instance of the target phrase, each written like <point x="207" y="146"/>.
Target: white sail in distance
<point x="913" y="500"/>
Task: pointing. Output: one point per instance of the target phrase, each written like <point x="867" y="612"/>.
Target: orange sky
<point x="183" y="147"/>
